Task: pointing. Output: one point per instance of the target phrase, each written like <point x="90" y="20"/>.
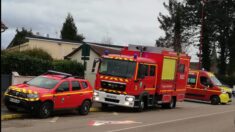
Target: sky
<point x="121" y="21"/>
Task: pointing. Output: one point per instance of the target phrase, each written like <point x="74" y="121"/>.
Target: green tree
<point x="69" y="30"/>
<point x="20" y="37"/>
<point x="175" y="26"/>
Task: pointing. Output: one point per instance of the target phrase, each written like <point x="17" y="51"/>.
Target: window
<point x="146" y="70"/>
<point x="84" y="85"/>
<point x="76" y="85"/>
<point x="168" y="71"/>
<point x="205" y="81"/>
<point x="181" y="68"/>
<point x="152" y="70"/>
<point x="64" y="86"/>
<point x="192" y="79"/>
<point x="141" y="71"/>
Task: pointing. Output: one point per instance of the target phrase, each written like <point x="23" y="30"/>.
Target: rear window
<point x="84" y="85"/>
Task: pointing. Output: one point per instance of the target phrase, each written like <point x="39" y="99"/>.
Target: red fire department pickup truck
<point x="50" y="91"/>
<point x="203" y="85"/>
<point x="141" y="77"/>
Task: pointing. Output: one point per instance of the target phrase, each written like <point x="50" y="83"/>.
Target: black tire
<point x="45" y="110"/>
<point x="85" y="108"/>
<point x="170" y="105"/>
<point x="11" y="109"/>
<point x="104" y="106"/>
<point x="215" y="100"/>
<point x="141" y="106"/>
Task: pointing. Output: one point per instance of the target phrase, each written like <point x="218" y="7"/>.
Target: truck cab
<point x="204" y="86"/>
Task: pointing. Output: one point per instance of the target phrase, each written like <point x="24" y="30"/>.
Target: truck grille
<point x="17" y="94"/>
<point x="113" y="86"/>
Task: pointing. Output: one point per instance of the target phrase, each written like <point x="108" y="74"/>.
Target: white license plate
<point x="14" y="100"/>
<point x="111" y="96"/>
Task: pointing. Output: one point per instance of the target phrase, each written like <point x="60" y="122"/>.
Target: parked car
<point x="48" y="92"/>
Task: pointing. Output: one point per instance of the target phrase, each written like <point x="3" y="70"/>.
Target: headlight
<point x="130" y="99"/>
<point x="7" y="90"/>
<point x="223" y="91"/>
<point x="32" y="96"/>
<point x="96" y="94"/>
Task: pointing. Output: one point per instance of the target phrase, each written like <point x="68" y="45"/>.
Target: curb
<point x="15" y="116"/>
<point x="11" y="116"/>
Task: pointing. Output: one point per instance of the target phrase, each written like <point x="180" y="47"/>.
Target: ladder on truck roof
<point x="150" y="49"/>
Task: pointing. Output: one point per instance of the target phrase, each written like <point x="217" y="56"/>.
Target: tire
<point x="85" y="108"/>
<point x="45" y="110"/>
<point x="141" y="106"/>
<point x="215" y="100"/>
<point x="104" y="106"/>
<point x="170" y="105"/>
<point x="11" y="109"/>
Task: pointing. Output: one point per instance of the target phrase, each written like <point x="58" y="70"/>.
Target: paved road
<point x="187" y="117"/>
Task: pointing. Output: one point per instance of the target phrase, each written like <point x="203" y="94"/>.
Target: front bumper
<point x="114" y="99"/>
<point x="225" y="98"/>
<point x="26" y="105"/>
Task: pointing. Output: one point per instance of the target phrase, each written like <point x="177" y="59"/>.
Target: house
<point x="57" y="48"/>
<point x="96" y="50"/>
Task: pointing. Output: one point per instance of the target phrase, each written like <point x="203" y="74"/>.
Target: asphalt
<point x="6" y="114"/>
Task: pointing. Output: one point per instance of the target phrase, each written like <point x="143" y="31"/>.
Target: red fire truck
<point x="141" y="77"/>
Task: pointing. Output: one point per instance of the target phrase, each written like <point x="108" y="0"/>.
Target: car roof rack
<point x="58" y="73"/>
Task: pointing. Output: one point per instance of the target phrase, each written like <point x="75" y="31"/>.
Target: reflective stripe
<point x="30" y="91"/>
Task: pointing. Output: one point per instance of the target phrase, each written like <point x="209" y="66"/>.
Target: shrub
<point x="30" y="66"/>
<point x="36" y="53"/>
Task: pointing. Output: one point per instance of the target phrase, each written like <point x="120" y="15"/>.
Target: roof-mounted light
<point x="135" y="56"/>
<point x="106" y="52"/>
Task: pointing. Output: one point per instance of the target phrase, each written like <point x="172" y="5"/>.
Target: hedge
<point x="30" y="66"/>
<point x="228" y="80"/>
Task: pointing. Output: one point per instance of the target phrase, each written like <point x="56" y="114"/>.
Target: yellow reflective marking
<point x="166" y="90"/>
<point x="31" y="99"/>
<point x="37" y="99"/>
<point x="119" y="92"/>
<point x="35" y="92"/>
<point x="47" y="95"/>
<point x="24" y="90"/>
<point x="181" y="90"/>
<point x="100" y="89"/>
<point x="125" y="58"/>
<point x="120" y="79"/>
<point x="30" y="91"/>
<point x="120" y="58"/>
<point x="131" y="60"/>
<point x="149" y="88"/>
<point x="170" y="57"/>
<point x="116" y="57"/>
<point x="115" y="79"/>
<point x="111" y="78"/>
<point x="203" y="89"/>
<point x="101" y="76"/>
<point x="106" y="77"/>
<point x="111" y="57"/>
<point x="124" y="92"/>
<point x="27" y="99"/>
<point x="126" y="80"/>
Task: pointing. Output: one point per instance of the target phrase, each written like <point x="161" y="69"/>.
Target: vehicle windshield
<point x="118" y="68"/>
<point x="215" y="81"/>
<point x="43" y="82"/>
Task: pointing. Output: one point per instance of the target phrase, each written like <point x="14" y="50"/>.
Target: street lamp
<point x="200" y="49"/>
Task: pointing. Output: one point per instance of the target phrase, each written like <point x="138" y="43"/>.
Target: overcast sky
<point x="124" y="21"/>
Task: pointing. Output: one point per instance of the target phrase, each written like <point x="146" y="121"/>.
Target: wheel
<point x="11" y="109"/>
<point x="141" y="106"/>
<point x="170" y="105"/>
<point x="104" y="106"/>
<point x="85" y="108"/>
<point x="215" y="100"/>
<point x="45" y="110"/>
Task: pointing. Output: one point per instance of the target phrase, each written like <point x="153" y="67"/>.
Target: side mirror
<point x="59" y="90"/>
<point x="25" y="82"/>
<point x="136" y="81"/>
<point x="94" y="64"/>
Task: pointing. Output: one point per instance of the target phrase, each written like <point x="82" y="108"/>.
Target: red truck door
<point x="182" y="75"/>
<point x="62" y="95"/>
<point x="204" y="87"/>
